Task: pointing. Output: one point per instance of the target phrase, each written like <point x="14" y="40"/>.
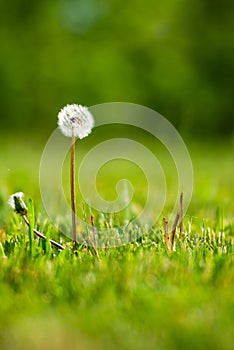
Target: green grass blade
<point x="31" y="219"/>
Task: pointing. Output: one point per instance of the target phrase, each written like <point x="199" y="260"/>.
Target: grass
<point x="138" y="296"/>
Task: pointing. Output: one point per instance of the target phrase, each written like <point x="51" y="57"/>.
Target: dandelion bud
<point x="17" y="203"/>
<point x="75" y="121"/>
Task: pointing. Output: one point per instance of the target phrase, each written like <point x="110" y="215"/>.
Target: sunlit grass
<point x="136" y="296"/>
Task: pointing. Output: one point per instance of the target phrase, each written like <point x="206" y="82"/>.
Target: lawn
<point x="136" y="296"/>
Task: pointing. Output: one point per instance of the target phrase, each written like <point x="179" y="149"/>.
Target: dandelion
<point x="16" y="202"/>
<point x="74" y="121"/>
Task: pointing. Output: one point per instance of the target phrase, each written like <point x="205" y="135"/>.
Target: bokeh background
<point x="176" y="57"/>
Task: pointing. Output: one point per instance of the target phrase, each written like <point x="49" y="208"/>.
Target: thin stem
<point x="174" y="229"/>
<point x="167" y="236"/>
<point x="40" y="235"/>
<point x="94" y="231"/>
<point x="73" y="199"/>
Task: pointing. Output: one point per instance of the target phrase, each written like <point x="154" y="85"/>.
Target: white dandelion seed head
<point x="75" y="120"/>
<point x="17" y="203"/>
<point x="11" y="200"/>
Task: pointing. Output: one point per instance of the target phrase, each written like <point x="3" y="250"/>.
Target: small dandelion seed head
<point x="75" y="120"/>
<point x="11" y="200"/>
<point x="16" y="202"/>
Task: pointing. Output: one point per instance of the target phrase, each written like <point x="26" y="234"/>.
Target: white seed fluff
<point x="11" y="200"/>
<point x="75" y="120"/>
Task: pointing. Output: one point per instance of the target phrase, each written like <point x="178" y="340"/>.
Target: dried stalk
<point x="174" y="230"/>
<point x="167" y="236"/>
<point x="94" y="231"/>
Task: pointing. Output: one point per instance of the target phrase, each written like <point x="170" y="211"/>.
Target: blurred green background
<point x="175" y="56"/>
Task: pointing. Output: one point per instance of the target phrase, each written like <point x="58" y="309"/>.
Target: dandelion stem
<point x="40" y="235"/>
<point x="73" y="199"/>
